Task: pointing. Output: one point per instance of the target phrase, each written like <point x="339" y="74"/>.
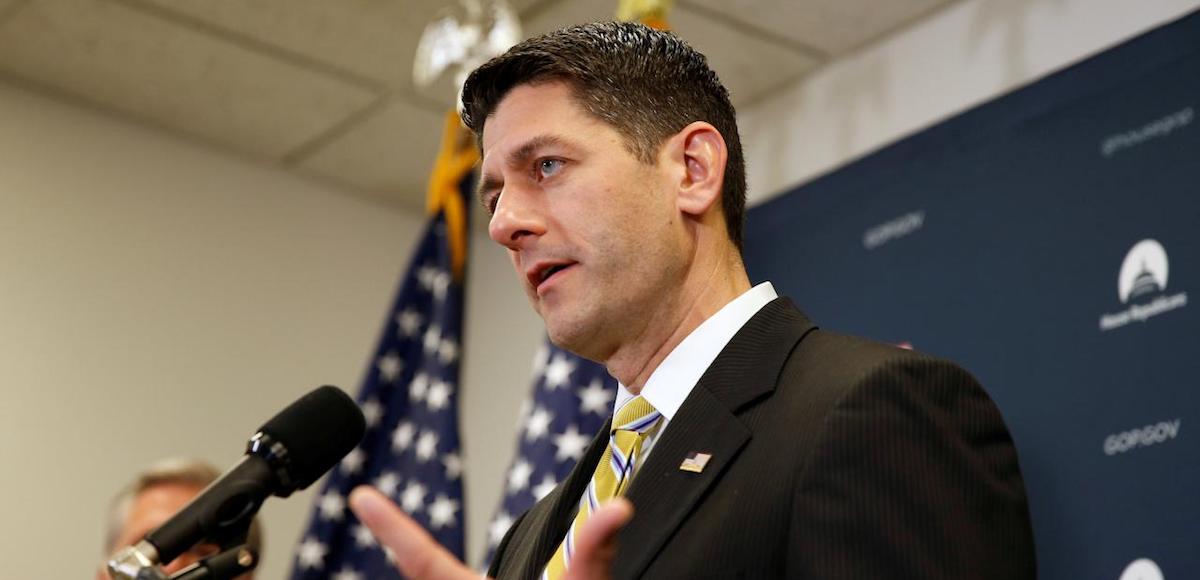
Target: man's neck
<point x="700" y="298"/>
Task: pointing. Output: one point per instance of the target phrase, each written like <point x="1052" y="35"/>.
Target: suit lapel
<point x="661" y="493"/>
<point x="707" y="422"/>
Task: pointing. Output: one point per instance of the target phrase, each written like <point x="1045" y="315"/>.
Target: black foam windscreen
<point x="318" y="430"/>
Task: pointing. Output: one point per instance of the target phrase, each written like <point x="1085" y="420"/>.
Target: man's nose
<point x="516" y="220"/>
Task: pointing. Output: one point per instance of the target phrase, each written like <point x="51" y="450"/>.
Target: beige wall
<point x="159" y="298"/>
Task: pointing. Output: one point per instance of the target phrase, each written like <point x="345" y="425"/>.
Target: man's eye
<point x="548" y="167"/>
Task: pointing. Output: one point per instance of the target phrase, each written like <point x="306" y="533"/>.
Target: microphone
<point x="289" y="452"/>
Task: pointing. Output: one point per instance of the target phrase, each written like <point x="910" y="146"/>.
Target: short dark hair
<point x="647" y="84"/>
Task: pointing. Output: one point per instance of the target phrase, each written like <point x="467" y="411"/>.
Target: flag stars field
<point x="438" y="396"/>
<point x="418" y="387"/>
<point x="363" y="538"/>
<point x="426" y="275"/>
<point x="311" y="554"/>
<point x="332" y="506"/>
<point x="402" y="437"/>
<point x="409" y="398"/>
<point x="454" y="466"/>
<point x="427" y="446"/>
<point x="571" y="444"/>
<point x="538" y="424"/>
<point x="432" y="340"/>
<point x="353" y="461"/>
<point x="413" y="497"/>
<point x="372" y="411"/>
<point x="442" y="513"/>
<point x="346" y="573"/>
<point x="441" y="283"/>
<point x="596" y="399"/>
<point x="518" y="476"/>
<point x="390" y="367"/>
<point x="571" y="399"/>
<point x="558" y="373"/>
<point x="409" y="321"/>
<point x="387" y="483"/>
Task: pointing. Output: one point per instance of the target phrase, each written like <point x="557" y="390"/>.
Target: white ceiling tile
<point x="371" y="39"/>
<point x="566" y="13"/>
<point x="832" y="26"/>
<point x="389" y="154"/>
<point x="172" y="76"/>
<point x="290" y="79"/>
<point x="748" y="66"/>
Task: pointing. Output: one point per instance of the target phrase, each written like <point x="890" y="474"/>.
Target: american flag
<point x="572" y="398"/>
<point x="411" y="449"/>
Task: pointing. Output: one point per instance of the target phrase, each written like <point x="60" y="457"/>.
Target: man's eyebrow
<point x="518" y="157"/>
<point x="522" y="154"/>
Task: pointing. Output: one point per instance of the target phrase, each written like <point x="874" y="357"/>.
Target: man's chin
<point x="575" y="339"/>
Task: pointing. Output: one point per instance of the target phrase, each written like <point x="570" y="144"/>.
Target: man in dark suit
<point x="750" y="443"/>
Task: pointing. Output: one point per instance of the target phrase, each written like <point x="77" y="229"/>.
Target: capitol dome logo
<point x="1142" y="569"/>
<point x="1142" y="284"/>
<point x="1144" y="271"/>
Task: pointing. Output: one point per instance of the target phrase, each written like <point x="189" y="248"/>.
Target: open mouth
<point x="552" y="270"/>
<point x="549" y="272"/>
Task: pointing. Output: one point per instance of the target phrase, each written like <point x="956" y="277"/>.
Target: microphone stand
<point x="137" y="562"/>
<point x="140" y="561"/>
<point x="224" y="566"/>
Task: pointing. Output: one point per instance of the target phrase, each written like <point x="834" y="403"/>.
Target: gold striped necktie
<point x="612" y="474"/>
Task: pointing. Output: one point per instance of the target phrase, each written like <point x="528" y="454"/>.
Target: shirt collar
<point x="675" y="377"/>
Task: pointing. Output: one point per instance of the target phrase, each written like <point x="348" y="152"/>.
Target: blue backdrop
<point x="1047" y="241"/>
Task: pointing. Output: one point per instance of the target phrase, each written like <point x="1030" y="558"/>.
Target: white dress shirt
<point x="675" y="377"/>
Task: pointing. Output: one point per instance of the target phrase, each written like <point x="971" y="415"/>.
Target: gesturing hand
<point x="420" y="557"/>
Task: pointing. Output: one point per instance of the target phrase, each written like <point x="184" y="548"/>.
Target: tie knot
<point x="637" y="415"/>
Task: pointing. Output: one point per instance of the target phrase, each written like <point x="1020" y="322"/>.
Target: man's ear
<point x="704" y="156"/>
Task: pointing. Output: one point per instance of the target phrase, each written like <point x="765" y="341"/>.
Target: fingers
<point x="417" y="554"/>
<point x="597" y="543"/>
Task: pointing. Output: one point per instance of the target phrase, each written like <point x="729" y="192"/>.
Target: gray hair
<point x="173" y="471"/>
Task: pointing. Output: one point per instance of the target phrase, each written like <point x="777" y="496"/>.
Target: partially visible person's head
<point x="153" y="497"/>
<point x="645" y="83"/>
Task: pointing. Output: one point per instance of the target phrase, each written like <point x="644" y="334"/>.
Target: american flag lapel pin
<point x="695" y="462"/>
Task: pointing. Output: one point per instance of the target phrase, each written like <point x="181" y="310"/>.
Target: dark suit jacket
<point x="832" y="457"/>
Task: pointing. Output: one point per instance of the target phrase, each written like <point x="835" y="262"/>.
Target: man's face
<point x="151" y="508"/>
<point x="592" y="231"/>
